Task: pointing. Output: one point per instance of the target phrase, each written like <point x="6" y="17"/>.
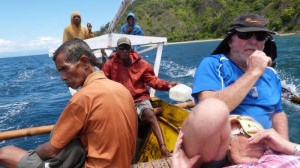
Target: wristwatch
<point x="297" y="150"/>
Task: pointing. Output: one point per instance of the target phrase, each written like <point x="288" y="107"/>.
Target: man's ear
<point x="84" y="60"/>
<point x="230" y="42"/>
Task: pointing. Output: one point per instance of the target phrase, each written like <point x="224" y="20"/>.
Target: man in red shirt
<point x="128" y="68"/>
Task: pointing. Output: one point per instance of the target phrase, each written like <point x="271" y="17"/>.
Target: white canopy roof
<point x="110" y="41"/>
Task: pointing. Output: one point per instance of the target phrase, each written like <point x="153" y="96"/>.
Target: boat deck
<point x="161" y="163"/>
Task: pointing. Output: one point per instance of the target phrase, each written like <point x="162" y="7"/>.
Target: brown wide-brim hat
<point x="248" y="23"/>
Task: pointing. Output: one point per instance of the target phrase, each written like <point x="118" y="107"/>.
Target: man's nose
<point x="253" y="38"/>
<point x="63" y="76"/>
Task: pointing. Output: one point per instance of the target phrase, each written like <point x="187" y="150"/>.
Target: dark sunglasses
<point x="122" y="48"/>
<point x="260" y="36"/>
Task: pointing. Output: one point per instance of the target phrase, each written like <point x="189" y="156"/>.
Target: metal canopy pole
<point x="157" y="64"/>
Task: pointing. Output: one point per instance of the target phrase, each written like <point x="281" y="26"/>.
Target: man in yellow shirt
<point x="76" y="30"/>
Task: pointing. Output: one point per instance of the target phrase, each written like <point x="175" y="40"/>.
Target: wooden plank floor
<point x="161" y="163"/>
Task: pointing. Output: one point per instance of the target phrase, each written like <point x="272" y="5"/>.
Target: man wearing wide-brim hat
<point x="239" y="72"/>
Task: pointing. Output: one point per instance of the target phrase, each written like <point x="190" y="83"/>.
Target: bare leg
<point x="149" y="115"/>
<point x="10" y="156"/>
<point x="207" y="131"/>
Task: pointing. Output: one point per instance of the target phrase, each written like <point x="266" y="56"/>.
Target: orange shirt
<point x="103" y="115"/>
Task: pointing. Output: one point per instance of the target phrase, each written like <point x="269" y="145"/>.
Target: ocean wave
<point x="175" y="70"/>
<point x="288" y="84"/>
<point x="10" y="111"/>
<point x="25" y="75"/>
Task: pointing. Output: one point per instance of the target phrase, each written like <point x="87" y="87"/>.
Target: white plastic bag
<point x="181" y="93"/>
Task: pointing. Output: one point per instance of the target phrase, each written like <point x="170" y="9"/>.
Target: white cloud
<point x="22" y="47"/>
<point x="5" y="45"/>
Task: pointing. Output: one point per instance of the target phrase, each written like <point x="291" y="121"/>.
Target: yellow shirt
<point x="74" y="31"/>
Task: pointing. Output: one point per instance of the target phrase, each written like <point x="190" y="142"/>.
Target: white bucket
<point x="180" y="93"/>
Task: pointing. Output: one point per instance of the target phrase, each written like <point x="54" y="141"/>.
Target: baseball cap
<point x="123" y="40"/>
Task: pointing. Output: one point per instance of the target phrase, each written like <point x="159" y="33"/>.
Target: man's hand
<point x="129" y="29"/>
<point x="89" y="27"/>
<point x="258" y="62"/>
<point x="179" y="158"/>
<point x="47" y="151"/>
<point x="172" y="84"/>
<point x="273" y="140"/>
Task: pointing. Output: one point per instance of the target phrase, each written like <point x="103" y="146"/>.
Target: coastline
<point x="219" y="39"/>
<point x="193" y="41"/>
<point x="288" y="34"/>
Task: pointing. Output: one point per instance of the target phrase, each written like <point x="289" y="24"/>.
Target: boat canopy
<point x="109" y="42"/>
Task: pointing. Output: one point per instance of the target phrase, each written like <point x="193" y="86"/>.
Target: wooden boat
<point x="170" y="118"/>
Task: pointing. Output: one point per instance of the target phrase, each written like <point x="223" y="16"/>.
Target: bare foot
<point x="164" y="152"/>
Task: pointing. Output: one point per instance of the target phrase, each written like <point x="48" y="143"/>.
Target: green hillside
<point x="184" y="20"/>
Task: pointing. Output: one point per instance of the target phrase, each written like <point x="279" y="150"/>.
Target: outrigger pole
<point x="26" y="132"/>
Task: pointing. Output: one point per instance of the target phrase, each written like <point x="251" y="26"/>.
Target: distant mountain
<point x="183" y="20"/>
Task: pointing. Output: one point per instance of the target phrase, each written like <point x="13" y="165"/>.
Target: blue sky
<point x="31" y="27"/>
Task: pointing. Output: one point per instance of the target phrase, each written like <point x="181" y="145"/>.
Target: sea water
<point x="32" y="94"/>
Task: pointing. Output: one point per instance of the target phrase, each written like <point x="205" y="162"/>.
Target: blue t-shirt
<point x="216" y="72"/>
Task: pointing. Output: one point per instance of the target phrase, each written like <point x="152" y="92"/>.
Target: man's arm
<point x="104" y="55"/>
<point x="280" y="124"/>
<point x="139" y="31"/>
<point x="47" y="151"/>
<point x="151" y="79"/>
<point x="125" y="29"/>
<point x="66" y="35"/>
<point x="106" y="68"/>
<point x="129" y="29"/>
<point x="234" y="94"/>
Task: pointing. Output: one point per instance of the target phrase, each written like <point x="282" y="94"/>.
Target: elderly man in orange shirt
<point x="101" y="114"/>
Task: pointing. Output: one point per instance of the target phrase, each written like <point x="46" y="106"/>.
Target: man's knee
<point x="148" y="115"/>
<point x="205" y="125"/>
<point x="4" y="150"/>
<point x="11" y="155"/>
<point x="212" y="113"/>
<point x="7" y="150"/>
